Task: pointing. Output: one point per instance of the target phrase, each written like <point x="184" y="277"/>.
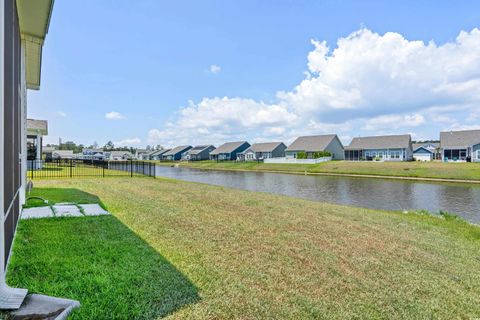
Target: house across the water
<point x="176" y="153"/>
<point x="62" y="154"/>
<point x="460" y="146"/>
<point x="426" y="151"/>
<point x="229" y="150"/>
<point x="262" y="151"/>
<point x="311" y="146"/>
<point x="199" y="153"/>
<point x="158" y="154"/>
<point x="118" y="155"/>
<point x="383" y="148"/>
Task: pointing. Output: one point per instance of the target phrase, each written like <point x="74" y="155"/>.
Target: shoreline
<point x="351" y="175"/>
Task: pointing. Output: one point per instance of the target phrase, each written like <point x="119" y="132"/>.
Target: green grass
<point x="197" y="251"/>
<point x="438" y="170"/>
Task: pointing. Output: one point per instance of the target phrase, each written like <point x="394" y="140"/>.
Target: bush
<point x="301" y="155"/>
<point x="321" y="154"/>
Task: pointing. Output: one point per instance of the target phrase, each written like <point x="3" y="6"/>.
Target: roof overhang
<point x="34" y="19"/>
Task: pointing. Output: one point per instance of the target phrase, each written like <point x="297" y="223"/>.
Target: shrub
<point x="301" y="155"/>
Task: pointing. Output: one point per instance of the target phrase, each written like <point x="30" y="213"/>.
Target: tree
<point x="109" y="146"/>
<point x="158" y="147"/>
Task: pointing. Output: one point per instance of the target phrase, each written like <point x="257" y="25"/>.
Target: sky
<point x="206" y="72"/>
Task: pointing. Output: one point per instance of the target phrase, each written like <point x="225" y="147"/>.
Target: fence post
<point x="103" y="169"/>
<point x="131" y="168"/>
<point x="71" y="164"/>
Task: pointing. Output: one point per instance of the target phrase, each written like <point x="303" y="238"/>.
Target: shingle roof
<point x="40" y="126"/>
<point x="311" y="143"/>
<point x="228" y="147"/>
<point x="63" y="153"/>
<point x="415" y="146"/>
<point x="381" y="142"/>
<point x="159" y="152"/>
<point x="117" y="153"/>
<point x="197" y="149"/>
<point x="176" y="150"/>
<point x="465" y="138"/>
<point x="264" y="147"/>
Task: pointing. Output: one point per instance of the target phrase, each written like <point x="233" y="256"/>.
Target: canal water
<point x="461" y="199"/>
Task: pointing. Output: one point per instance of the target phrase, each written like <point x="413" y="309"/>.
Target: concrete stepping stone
<point x="37" y="306"/>
<point x="37" y="212"/>
<point x="93" y="210"/>
<point x="67" y="211"/>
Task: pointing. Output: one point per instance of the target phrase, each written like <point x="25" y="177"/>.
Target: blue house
<point x="382" y="148"/>
<point x="176" y="153"/>
<point x="460" y="146"/>
<point x="427" y="151"/>
<point x="229" y="150"/>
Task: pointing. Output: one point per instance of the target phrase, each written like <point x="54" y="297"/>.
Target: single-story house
<point x="310" y="145"/>
<point x="47" y="152"/>
<point x="93" y="154"/>
<point x="158" y="154"/>
<point x="175" y="153"/>
<point x="118" y="155"/>
<point x="229" y="150"/>
<point x="385" y="148"/>
<point x="460" y="145"/>
<point x="142" y="154"/>
<point x="427" y="151"/>
<point x="36" y="129"/>
<point x="261" y="151"/>
<point x="198" y="153"/>
<point x="62" y="154"/>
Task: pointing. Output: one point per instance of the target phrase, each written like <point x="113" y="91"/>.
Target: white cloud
<point x="215" y="69"/>
<point x="367" y="84"/>
<point x="128" y="142"/>
<point x="61" y="114"/>
<point x="394" y="122"/>
<point x="114" y="115"/>
<point x="370" y="74"/>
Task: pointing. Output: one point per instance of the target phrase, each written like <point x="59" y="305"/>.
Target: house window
<point x="478" y="154"/>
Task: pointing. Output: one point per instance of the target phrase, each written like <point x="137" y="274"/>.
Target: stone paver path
<point x="64" y="210"/>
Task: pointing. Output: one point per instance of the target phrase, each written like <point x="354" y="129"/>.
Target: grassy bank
<point x="197" y="251"/>
<point x="435" y="170"/>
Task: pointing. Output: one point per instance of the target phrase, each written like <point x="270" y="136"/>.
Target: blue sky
<point x="175" y="72"/>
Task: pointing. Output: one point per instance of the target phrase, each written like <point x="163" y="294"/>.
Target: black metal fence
<point x="71" y="168"/>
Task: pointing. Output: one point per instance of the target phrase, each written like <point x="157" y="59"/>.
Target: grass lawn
<point x="439" y="170"/>
<point x="190" y="250"/>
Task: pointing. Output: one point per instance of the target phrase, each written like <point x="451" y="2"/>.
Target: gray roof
<point x="311" y="143"/>
<point x="63" y="153"/>
<point x="264" y="146"/>
<point x="176" y="150"/>
<point x="380" y="142"/>
<point x="228" y="147"/>
<point x="415" y="146"/>
<point x="197" y="149"/>
<point x="117" y="153"/>
<point x="465" y="138"/>
<point x="37" y="126"/>
<point x="159" y="152"/>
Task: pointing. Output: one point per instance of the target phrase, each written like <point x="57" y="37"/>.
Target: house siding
<point x="397" y="154"/>
<point x="335" y="147"/>
<point x="476" y="153"/>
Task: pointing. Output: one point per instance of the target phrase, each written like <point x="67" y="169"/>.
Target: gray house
<point x="176" y="153"/>
<point x="460" y="145"/>
<point x="385" y="148"/>
<point x="229" y="150"/>
<point x="313" y="144"/>
<point x="260" y="151"/>
<point x="158" y="154"/>
<point x="198" y="153"/>
<point x="426" y="151"/>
